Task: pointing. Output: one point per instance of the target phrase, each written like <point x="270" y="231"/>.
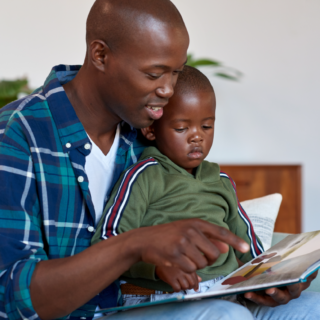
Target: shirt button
<point x="91" y="229"/>
<point x="68" y="145"/>
<point x="80" y="179"/>
<point x="87" y="146"/>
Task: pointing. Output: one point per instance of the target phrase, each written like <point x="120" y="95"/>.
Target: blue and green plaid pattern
<point x="45" y="212"/>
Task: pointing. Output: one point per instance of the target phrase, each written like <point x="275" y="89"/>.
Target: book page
<point x="284" y="263"/>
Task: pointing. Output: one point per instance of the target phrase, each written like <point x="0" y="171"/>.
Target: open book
<point x="290" y="261"/>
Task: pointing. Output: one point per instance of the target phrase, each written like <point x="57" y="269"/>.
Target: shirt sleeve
<point x="124" y="211"/>
<point x="241" y="225"/>
<point x="21" y="244"/>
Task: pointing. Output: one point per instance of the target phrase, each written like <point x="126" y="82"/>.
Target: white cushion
<point x="263" y="213"/>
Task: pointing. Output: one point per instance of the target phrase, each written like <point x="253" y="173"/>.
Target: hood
<point x="166" y="163"/>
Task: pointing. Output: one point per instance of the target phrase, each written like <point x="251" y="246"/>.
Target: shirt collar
<point x="70" y="129"/>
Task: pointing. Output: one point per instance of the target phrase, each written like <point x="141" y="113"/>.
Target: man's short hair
<point x="114" y="21"/>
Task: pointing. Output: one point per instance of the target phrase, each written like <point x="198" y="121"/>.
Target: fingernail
<point x="245" y="246"/>
<point x="271" y="292"/>
<point x="168" y="264"/>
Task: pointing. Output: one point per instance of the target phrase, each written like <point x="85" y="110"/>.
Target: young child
<point x="172" y="181"/>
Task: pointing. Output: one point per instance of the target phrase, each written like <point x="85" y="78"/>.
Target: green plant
<point x="220" y="69"/>
<point x="9" y="90"/>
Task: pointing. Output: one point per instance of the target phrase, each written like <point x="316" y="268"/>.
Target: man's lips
<point x="195" y="153"/>
<point x="155" y="112"/>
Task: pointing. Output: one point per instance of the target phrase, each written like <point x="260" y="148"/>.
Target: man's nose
<point x="167" y="88"/>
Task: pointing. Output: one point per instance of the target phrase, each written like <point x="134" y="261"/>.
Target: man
<point x="135" y="50"/>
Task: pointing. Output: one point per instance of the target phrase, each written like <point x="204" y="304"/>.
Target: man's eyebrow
<point x="164" y="67"/>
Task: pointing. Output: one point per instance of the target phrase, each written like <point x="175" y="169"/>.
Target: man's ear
<point x="98" y="54"/>
<point x="148" y="132"/>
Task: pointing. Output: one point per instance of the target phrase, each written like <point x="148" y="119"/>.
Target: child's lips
<point x="195" y="153"/>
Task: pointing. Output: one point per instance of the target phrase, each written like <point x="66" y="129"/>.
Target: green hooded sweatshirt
<point x="155" y="191"/>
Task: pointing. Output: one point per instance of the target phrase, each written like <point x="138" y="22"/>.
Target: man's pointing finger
<point x="214" y="232"/>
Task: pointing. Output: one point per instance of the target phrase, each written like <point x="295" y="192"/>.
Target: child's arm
<point x="240" y="224"/>
<point x="244" y="229"/>
<point x="125" y="210"/>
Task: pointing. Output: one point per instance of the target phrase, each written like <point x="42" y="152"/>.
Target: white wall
<point x="271" y="116"/>
<point x="35" y="35"/>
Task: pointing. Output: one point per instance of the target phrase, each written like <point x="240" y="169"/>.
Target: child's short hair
<point x="190" y="80"/>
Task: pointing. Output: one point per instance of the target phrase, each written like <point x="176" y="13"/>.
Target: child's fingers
<point x="175" y="284"/>
<point x="184" y="282"/>
<point x="192" y="281"/>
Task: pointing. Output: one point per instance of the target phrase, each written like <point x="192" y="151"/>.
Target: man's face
<point x="141" y="76"/>
<point x="185" y="132"/>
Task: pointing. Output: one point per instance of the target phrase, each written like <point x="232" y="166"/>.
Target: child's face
<point x="185" y="132"/>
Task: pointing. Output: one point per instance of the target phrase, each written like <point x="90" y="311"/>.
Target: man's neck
<point x="99" y="123"/>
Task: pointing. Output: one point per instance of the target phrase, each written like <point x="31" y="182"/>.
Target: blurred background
<point x="269" y="116"/>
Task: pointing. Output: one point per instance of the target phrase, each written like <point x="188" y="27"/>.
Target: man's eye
<point x="180" y="129"/>
<point x="154" y="75"/>
<point x="175" y="72"/>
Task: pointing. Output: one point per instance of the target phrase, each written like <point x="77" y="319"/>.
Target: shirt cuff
<point x="17" y="300"/>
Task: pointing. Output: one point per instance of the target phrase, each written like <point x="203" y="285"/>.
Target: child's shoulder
<point x="140" y="166"/>
<point x="211" y="170"/>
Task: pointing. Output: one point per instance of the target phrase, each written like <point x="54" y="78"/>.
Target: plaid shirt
<point x="46" y="211"/>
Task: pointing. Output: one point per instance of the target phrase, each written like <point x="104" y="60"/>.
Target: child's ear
<point x="148" y="132"/>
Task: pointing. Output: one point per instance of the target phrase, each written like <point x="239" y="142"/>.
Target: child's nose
<point x="196" y="138"/>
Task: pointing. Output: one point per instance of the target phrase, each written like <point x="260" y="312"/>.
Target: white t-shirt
<point x="100" y="171"/>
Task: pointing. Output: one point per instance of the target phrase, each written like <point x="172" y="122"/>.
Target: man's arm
<point x="60" y="286"/>
<point x="30" y="283"/>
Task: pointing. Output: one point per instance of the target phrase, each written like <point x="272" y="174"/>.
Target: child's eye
<point x="180" y="129"/>
<point x="206" y="127"/>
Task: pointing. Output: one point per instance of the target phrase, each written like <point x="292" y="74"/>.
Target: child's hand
<point x="178" y="279"/>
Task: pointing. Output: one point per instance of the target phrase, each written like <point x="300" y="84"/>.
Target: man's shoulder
<point x="20" y="120"/>
<point x="31" y="106"/>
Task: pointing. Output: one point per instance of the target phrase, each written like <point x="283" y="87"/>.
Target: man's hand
<point x="178" y="279"/>
<point x="189" y="244"/>
<point x="57" y="290"/>
<point x="274" y="297"/>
